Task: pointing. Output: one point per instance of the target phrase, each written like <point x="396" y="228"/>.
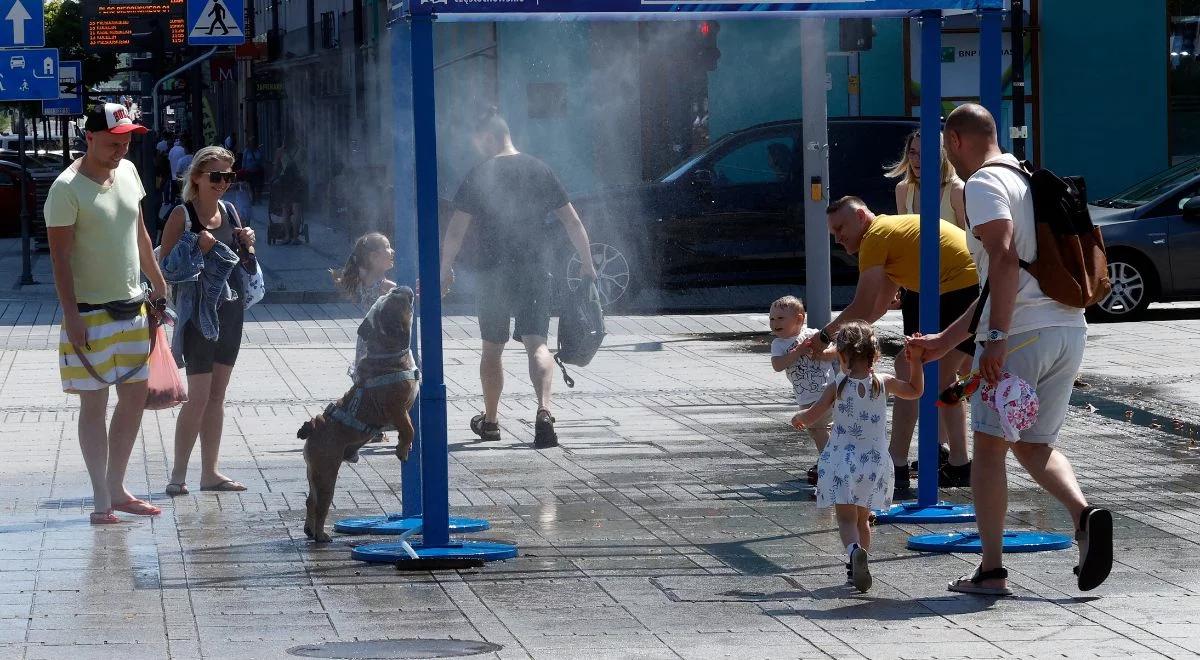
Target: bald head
<point x="970" y="138"/>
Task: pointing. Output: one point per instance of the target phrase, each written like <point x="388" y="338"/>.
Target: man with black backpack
<point x="1010" y="245"/>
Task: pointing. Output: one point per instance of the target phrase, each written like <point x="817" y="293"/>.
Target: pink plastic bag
<point x="165" y="388"/>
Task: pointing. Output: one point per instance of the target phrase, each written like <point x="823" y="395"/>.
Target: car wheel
<point x="1132" y="288"/>
<point x="615" y="279"/>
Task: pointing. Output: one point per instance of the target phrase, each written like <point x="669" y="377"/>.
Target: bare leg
<point x="820" y="437"/>
<point x="541" y="368"/>
<point x="93" y="442"/>
<point x="847" y="520"/>
<point x="1051" y="469"/>
<point x="122" y="434"/>
<point x="212" y="424"/>
<point x="904" y="419"/>
<point x="187" y="425"/>
<point x="864" y="527"/>
<point x="989" y="485"/>
<point x="953" y="418"/>
<point x="491" y="375"/>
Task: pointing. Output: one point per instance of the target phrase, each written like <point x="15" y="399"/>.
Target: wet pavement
<point x="670" y="523"/>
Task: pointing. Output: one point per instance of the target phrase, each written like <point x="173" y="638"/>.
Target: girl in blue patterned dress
<point x="854" y="473"/>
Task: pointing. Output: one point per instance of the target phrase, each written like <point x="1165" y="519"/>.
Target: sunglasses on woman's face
<point x="222" y="177"/>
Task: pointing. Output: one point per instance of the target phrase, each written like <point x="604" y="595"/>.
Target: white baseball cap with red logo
<point x="112" y="117"/>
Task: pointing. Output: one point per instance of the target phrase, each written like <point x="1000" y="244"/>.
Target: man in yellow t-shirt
<point x="99" y="247"/>
<point x="889" y="258"/>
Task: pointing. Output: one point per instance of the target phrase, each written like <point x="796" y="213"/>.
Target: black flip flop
<point x="1096" y="526"/>
<point x="973" y="584"/>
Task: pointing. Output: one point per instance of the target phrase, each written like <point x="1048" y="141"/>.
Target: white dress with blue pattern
<point x="855" y="467"/>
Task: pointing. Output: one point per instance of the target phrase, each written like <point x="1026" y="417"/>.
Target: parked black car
<point x="734" y="213"/>
<point x="1152" y="233"/>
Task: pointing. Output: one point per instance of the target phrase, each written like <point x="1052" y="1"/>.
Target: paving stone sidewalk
<point x="671" y="523"/>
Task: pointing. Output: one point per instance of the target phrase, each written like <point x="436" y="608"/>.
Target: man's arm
<point x="871" y="299"/>
<point x="148" y="263"/>
<point x="62" y="244"/>
<point x="579" y="238"/>
<point x="1004" y="266"/>
<point x="451" y="245"/>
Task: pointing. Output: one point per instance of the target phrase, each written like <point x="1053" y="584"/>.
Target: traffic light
<point x="707" y="52"/>
<point x="855" y="34"/>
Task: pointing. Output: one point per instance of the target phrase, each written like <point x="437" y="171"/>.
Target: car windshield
<point x="1155" y="186"/>
<point x="683" y="168"/>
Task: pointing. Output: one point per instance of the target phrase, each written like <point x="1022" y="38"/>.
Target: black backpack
<point x="1071" y="265"/>
<point x="580" y="329"/>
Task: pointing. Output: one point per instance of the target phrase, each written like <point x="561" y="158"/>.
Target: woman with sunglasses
<point x="204" y="227"/>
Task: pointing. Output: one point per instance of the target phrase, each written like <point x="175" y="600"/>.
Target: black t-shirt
<point x="508" y="199"/>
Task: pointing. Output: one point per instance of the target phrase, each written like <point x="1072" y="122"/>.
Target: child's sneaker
<point x="860" y="572"/>
<point x="812" y="475"/>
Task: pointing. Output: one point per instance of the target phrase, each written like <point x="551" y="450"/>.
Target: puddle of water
<point x="1124" y="412"/>
<point x="389" y="649"/>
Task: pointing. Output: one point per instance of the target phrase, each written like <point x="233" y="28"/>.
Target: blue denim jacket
<point x="200" y="283"/>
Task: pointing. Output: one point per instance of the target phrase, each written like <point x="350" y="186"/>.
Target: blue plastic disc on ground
<point x="911" y="512"/>
<point x="969" y="542"/>
<point x="390" y="553"/>
<point x="394" y="524"/>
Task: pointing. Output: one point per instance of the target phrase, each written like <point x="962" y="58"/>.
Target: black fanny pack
<point x="119" y="310"/>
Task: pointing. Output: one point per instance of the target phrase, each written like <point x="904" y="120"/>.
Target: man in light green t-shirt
<point x="100" y="247"/>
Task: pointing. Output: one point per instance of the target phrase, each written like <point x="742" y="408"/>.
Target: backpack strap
<point x="1023" y="170"/>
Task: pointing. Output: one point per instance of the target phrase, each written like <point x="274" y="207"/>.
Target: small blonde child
<point x="855" y="471"/>
<point x="808" y="374"/>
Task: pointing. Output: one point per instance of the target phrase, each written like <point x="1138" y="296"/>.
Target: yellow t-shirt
<point x="104" y="261"/>
<point x="894" y="242"/>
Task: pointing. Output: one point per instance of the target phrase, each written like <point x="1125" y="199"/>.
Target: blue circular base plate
<point x="395" y="524"/>
<point x="911" y="512"/>
<point x="390" y="553"/>
<point x="969" y="542"/>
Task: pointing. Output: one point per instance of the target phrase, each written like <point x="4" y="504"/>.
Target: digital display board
<point x="134" y="26"/>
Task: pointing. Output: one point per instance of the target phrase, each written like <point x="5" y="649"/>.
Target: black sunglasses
<point x="218" y="177"/>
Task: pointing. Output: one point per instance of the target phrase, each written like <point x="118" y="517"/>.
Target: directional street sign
<point x="215" y="22"/>
<point x="70" y="91"/>
<point x="29" y="75"/>
<point x="22" y="24"/>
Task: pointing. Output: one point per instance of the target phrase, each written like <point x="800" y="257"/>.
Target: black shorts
<point x="952" y="306"/>
<point x="200" y="353"/>
<point x="525" y="297"/>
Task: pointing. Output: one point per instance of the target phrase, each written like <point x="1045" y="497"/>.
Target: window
<point x="765" y="160"/>
<point x="6" y="180"/>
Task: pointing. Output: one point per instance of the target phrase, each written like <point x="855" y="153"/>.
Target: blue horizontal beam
<point x="565" y="10"/>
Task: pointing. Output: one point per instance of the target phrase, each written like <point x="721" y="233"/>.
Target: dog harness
<point x="348" y="416"/>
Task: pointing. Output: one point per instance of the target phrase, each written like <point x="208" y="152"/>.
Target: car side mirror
<point x="704" y="177"/>
<point x="1191" y="208"/>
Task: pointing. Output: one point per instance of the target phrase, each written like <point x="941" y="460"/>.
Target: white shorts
<point x="1050" y="364"/>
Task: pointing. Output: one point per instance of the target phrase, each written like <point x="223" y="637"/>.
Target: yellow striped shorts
<point x="113" y="349"/>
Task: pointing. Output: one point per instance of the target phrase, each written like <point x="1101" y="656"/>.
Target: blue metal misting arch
<point x="425" y="476"/>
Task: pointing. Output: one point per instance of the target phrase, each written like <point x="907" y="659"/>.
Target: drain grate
<point x="395" y="649"/>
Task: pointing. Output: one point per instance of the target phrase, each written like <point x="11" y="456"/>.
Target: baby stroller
<point x="279" y="196"/>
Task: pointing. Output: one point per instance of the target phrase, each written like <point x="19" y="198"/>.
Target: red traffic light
<point x="705" y="28"/>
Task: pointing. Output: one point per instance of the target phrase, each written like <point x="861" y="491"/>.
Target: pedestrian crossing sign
<point x="216" y="22"/>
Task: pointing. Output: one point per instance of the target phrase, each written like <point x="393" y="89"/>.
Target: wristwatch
<point x="996" y="335"/>
<point x="824" y="337"/>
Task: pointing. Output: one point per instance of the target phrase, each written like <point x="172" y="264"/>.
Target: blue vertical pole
<point x="405" y="235"/>
<point x="434" y="459"/>
<point x="990" y="61"/>
<point x="930" y="321"/>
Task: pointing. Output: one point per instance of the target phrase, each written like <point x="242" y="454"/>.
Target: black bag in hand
<point x="580" y="329"/>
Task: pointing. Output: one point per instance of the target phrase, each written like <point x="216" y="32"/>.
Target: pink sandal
<point x="104" y="518"/>
<point x="138" y="508"/>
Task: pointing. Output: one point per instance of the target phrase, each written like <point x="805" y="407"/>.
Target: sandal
<point x="1095" y="547"/>
<point x="974" y="583"/>
<point x="487" y="431"/>
<point x="177" y="489"/>
<point x="138" y="508"/>
<point x="104" y="518"/>
<point x="227" y="486"/>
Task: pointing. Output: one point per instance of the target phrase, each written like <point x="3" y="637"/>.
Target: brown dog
<point x="385" y="388"/>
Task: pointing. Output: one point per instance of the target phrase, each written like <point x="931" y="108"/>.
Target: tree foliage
<point x="64" y="31"/>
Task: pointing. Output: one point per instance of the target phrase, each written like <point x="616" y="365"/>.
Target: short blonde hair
<point x="791" y="303"/>
<point x="203" y="157"/>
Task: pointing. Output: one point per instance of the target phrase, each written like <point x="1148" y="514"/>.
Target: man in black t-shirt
<point x="506" y="199"/>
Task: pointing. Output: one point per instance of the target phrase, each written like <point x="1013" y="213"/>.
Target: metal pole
<point x="26" y="220"/>
<point x="66" y="143"/>
<point x="434" y="459"/>
<point x="989" y="62"/>
<point x="930" y="321"/>
<point x="1017" y="28"/>
<point x="817" y="280"/>
<point x="405" y="233"/>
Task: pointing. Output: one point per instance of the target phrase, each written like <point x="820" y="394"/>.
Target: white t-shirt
<point x="809" y="377"/>
<point x="997" y="193"/>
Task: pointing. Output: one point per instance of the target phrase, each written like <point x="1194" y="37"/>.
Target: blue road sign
<point x="29" y="75"/>
<point x="215" y="22"/>
<point x="22" y="23"/>
<point x="70" y="91"/>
